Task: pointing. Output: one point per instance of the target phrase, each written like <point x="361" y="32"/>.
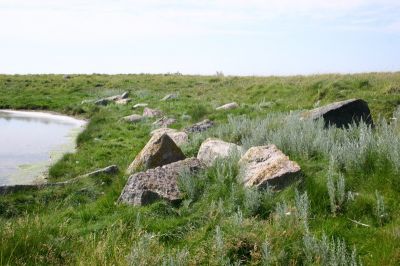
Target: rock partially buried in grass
<point x="180" y="138"/>
<point x="164" y="121"/>
<point x="115" y="98"/>
<point x="212" y="149"/>
<point x="133" y="118"/>
<point x="147" y="112"/>
<point x="139" y="105"/>
<point x="228" y="106"/>
<point x="160" y="183"/>
<point x="170" y="97"/>
<point x="123" y="101"/>
<point x="200" y="127"/>
<point x="342" y="114"/>
<point x="264" y="166"/>
<point x="109" y="170"/>
<point x="160" y="150"/>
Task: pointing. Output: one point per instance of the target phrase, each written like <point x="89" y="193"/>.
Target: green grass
<point x="81" y="224"/>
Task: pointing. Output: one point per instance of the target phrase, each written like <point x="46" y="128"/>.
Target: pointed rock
<point x="160" y="150"/>
<point x="160" y="183"/>
<point x="263" y="166"/>
<point x="180" y="138"/>
<point x="212" y="149"/>
<point x="342" y="114"/>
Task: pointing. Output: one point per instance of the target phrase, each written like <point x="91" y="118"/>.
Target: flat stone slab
<point x="212" y="149"/>
<point x="342" y="114"/>
<point x="159" y="151"/>
<point x="264" y="166"/>
<point x="200" y="126"/>
<point x="228" y="106"/>
<point x="159" y="183"/>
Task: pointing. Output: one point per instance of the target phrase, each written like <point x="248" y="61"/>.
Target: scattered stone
<point x="67" y="76"/>
<point x="212" y="149"/>
<point x="160" y="150"/>
<point x="164" y="121"/>
<point x="109" y="170"/>
<point x="124" y="95"/>
<point x="200" y="127"/>
<point x="228" y="106"/>
<point x="123" y="101"/>
<point x="133" y="118"/>
<point x="342" y="114"/>
<point x="103" y="102"/>
<point x="160" y="183"/>
<point x="180" y="138"/>
<point x="139" y="105"/>
<point x="169" y="97"/>
<point x="147" y="112"/>
<point x="264" y="166"/>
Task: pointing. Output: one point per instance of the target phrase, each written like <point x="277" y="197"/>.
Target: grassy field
<point x="350" y="177"/>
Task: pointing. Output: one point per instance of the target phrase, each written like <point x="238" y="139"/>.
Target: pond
<point x="31" y="141"/>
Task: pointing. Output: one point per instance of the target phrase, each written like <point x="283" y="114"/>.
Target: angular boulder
<point x="200" y="126"/>
<point x="342" y="114"/>
<point x="180" y="138"/>
<point x="264" y="166"/>
<point x="159" y="183"/>
<point x="212" y="149"/>
<point x="160" y="150"/>
<point x="147" y="112"/>
<point x="228" y="106"/>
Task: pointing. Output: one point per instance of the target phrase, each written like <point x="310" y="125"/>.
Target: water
<point x="31" y="141"/>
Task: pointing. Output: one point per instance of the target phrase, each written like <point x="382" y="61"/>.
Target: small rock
<point x="123" y="101"/>
<point x="264" y="166"/>
<point x="160" y="183"/>
<point x="169" y="97"/>
<point x="109" y="170"/>
<point x="67" y="76"/>
<point x="160" y="150"/>
<point x="124" y="95"/>
<point x="164" y="121"/>
<point x="180" y="138"/>
<point x="147" y="112"/>
<point x="139" y="105"/>
<point x="103" y="102"/>
<point x="228" y="106"/>
<point x="212" y="149"/>
<point x="133" y="118"/>
<point x="87" y="101"/>
<point x="200" y="127"/>
<point x="342" y="114"/>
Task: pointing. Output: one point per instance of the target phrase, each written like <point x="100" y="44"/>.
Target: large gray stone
<point x="342" y="114"/>
<point x="264" y="166"/>
<point x="212" y="149"/>
<point x="159" y="183"/>
<point x="160" y="150"/>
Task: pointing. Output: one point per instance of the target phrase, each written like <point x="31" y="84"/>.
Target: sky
<point x="236" y="37"/>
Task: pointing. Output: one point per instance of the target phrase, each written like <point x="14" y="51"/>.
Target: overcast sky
<point x="249" y="37"/>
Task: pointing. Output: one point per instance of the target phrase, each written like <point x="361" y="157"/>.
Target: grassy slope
<point x="80" y="223"/>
